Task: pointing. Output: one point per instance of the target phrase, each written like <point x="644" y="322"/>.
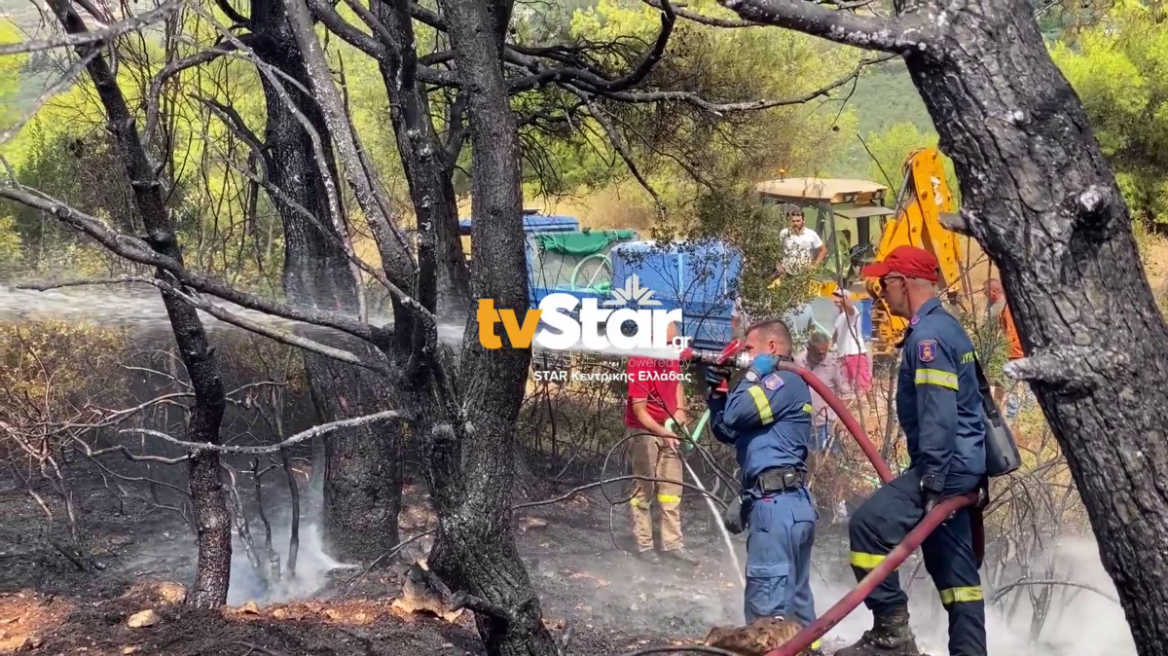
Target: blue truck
<point x="699" y="278"/>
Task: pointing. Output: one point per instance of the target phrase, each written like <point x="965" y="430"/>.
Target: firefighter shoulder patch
<point x="772" y="382"/>
<point x="927" y="350"/>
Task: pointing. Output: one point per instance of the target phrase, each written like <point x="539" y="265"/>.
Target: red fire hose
<point x="846" y="417"/>
<point x="931" y="521"/>
<point x="851" y="600"/>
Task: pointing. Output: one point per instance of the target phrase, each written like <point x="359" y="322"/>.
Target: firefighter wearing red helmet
<point x="939" y="405"/>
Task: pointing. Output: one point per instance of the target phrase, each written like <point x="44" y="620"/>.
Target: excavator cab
<point x="849" y="216"/>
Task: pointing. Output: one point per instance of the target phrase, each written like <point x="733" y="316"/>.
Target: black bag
<point x="1002" y="456"/>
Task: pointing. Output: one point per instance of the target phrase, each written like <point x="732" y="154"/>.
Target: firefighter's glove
<point x="930" y="493"/>
<point x="763" y="364"/>
<point x="732" y="520"/>
<point x="716" y="375"/>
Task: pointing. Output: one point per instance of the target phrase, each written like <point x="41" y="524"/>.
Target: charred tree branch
<point x="747" y="106"/>
<point x="902" y="34"/>
<point x="138" y="250"/>
<point x="303" y="436"/>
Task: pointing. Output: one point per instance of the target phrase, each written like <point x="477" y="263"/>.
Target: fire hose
<point x="842" y="608"/>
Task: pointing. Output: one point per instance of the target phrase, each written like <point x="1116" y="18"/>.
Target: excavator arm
<point x="924" y="196"/>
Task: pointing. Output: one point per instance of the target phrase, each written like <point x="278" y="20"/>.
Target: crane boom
<point x="923" y="198"/>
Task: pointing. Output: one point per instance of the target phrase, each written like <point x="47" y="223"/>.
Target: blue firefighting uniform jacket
<point x="768" y="422"/>
<point x="938" y="402"/>
<point x="940" y="407"/>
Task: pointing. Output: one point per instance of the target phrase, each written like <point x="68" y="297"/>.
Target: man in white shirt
<point x="853" y="351"/>
<point x="803" y="246"/>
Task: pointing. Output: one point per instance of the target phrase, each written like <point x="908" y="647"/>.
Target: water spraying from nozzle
<point x="670" y="424"/>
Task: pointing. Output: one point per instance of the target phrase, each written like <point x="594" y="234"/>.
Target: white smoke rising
<point x="1082" y="623"/>
<point x="313" y="566"/>
<point x="672" y="602"/>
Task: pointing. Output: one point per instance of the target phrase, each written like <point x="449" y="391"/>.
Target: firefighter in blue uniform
<point x="940" y="408"/>
<point x="767" y="419"/>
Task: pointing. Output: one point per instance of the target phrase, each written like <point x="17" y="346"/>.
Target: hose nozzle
<point x="733" y="355"/>
<point x="740" y="360"/>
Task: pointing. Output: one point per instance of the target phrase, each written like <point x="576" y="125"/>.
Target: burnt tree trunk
<point x="362" y="478"/>
<point x="471" y="467"/>
<point x="429" y="168"/>
<point x="212" y="521"/>
<point x="1042" y="201"/>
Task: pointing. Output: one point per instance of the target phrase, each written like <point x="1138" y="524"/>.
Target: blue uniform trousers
<point x="778" y="555"/>
<point x="884" y="520"/>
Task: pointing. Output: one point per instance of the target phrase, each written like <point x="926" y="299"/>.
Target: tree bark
<point x="429" y="168"/>
<point x="1042" y="200"/>
<point x="362" y="478"/>
<point x="471" y="470"/>
<point x="1043" y="203"/>
<point x="212" y="521"/>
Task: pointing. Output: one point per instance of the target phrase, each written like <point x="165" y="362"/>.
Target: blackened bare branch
<point x="94" y="36"/>
<point x="232" y="13"/>
<point x="1004" y="590"/>
<point x="747" y="106"/>
<point x="302" y="436"/>
<point x="899" y="35"/>
<point x="618" y="143"/>
<point x="427" y="17"/>
<point x="349" y="33"/>
<point x="176" y="67"/>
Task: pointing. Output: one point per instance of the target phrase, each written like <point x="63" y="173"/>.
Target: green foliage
<point x="738" y="219"/>
<point x="40" y="366"/>
<point x="990" y="343"/>
<point x="884" y="96"/>
<point x="684" y="152"/>
<point x="1119" y="68"/>
<point x="81" y="170"/>
<point x="10" y="68"/>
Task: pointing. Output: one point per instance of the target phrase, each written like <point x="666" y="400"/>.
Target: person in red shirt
<point x="656" y="395"/>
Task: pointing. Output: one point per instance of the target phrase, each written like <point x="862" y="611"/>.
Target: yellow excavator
<point x="858" y="229"/>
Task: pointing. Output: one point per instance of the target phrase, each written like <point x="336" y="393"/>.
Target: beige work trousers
<point x="652" y="458"/>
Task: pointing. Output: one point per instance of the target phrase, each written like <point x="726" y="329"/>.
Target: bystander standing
<point x="853" y="352"/>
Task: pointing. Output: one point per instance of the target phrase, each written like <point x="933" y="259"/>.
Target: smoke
<point x="672" y="602"/>
<point x="1078" y="622"/>
<point x="313" y="567"/>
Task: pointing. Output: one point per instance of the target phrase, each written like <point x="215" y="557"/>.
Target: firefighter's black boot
<point x="890" y="636"/>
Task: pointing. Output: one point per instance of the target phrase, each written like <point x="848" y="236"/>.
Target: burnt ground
<point x="612" y="602"/>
